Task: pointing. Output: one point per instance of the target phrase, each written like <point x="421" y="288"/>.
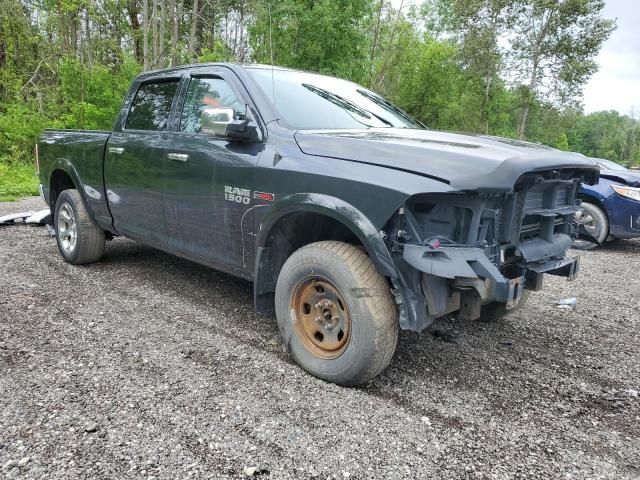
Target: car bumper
<point x="464" y="278"/>
<point x="624" y="216"/>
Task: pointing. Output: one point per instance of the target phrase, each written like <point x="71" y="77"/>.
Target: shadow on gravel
<point x="224" y="303"/>
<point x="622" y="246"/>
<point x="481" y="362"/>
<point x="420" y="356"/>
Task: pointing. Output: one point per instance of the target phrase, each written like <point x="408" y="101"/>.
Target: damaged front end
<point x="456" y="252"/>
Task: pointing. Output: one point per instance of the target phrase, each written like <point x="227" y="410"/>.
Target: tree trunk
<point x="485" y="102"/>
<point x="145" y="34"/>
<point x="3" y="51"/>
<point x="154" y="33"/>
<point x="374" y="43"/>
<point x="176" y="13"/>
<point x="163" y="13"/>
<point x="73" y="30"/>
<point x="87" y="29"/>
<point x="173" y="24"/>
<point x="135" y="30"/>
<point x="193" y="38"/>
<point x="530" y="94"/>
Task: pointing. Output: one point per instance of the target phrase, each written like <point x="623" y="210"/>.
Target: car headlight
<point x="629" y="192"/>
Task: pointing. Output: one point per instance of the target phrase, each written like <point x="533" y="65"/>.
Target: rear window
<point x="151" y="106"/>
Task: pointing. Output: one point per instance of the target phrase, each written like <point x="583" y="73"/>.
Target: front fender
<point x="339" y="210"/>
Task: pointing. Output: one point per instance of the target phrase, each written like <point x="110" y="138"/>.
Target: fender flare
<point x="67" y="167"/>
<point x="339" y="210"/>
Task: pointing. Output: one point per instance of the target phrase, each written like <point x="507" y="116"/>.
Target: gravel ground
<point x="148" y="366"/>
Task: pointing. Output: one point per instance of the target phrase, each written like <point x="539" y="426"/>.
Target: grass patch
<point x="17" y="180"/>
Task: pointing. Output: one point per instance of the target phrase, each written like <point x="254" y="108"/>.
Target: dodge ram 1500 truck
<point x="350" y="217"/>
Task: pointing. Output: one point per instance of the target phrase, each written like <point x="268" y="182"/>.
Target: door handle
<point x="178" y="157"/>
<point x="116" y="150"/>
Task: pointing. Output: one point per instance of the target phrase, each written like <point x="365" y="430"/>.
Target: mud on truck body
<point x="350" y="217"/>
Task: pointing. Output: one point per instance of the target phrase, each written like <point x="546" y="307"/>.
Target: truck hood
<point x="629" y="178"/>
<point x="466" y="162"/>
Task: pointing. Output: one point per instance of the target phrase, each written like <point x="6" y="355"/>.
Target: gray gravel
<point x="148" y="366"/>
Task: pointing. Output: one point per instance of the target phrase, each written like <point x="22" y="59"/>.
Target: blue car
<point x="611" y="208"/>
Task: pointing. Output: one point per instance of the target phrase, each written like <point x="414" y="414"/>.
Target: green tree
<point x="554" y="44"/>
<point x="326" y="36"/>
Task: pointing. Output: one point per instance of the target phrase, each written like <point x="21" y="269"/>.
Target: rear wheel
<point x="595" y="222"/>
<point x="79" y="239"/>
<point x="336" y="314"/>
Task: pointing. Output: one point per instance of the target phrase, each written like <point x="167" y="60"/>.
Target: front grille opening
<point x="532" y="226"/>
<point x="443" y="220"/>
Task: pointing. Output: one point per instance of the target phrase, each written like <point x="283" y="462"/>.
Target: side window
<point x="151" y="106"/>
<point x="209" y="105"/>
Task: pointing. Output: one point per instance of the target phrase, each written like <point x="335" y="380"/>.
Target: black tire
<point x="495" y="311"/>
<point x="350" y="277"/>
<point x="88" y="239"/>
<point x="598" y="226"/>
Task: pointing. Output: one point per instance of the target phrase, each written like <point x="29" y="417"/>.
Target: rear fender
<point x="67" y="167"/>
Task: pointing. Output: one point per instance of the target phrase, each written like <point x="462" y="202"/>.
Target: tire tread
<point x="383" y="309"/>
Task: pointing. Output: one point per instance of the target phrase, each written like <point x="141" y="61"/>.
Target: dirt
<point x="148" y="366"/>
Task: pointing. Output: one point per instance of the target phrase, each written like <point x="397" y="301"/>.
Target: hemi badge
<point x="268" y="197"/>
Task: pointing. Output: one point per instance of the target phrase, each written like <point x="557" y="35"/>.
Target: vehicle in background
<point x="610" y="209"/>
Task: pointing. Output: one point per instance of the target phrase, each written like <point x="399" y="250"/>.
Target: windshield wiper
<point x="343" y="103"/>
<point x="381" y="102"/>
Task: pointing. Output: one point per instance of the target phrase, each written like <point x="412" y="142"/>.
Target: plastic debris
<point x="567" y="303"/>
<point x="11" y="218"/>
<point x="42" y="217"/>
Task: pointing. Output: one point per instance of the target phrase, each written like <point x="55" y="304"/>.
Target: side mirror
<point x="242" y="130"/>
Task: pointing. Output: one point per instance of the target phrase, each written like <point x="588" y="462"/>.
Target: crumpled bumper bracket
<point x="475" y="279"/>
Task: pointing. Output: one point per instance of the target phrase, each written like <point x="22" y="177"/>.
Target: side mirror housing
<point x="242" y="130"/>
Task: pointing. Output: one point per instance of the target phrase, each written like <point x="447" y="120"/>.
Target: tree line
<point x="514" y="68"/>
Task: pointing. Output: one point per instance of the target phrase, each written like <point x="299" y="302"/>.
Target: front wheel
<point x="79" y="239"/>
<point x="595" y="222"/>
<point x="336" y="314"/>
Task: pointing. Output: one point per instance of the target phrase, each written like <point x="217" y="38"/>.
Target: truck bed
<point x="80" y="152"/>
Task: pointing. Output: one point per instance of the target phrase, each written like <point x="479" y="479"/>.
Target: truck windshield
<point x="310" y="101"/>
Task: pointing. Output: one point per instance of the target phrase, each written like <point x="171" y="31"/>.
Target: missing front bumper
<point x="464" y="279"/>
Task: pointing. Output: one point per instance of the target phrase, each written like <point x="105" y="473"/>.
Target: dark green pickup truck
<point x="351" y="218"/>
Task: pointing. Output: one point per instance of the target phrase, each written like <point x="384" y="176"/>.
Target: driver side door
<point x="202" y="165"/>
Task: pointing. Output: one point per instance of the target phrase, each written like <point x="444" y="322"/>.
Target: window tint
<point x="210" y="104"/>
<point x="151" y="106"/>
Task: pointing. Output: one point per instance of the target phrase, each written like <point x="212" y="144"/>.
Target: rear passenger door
<point x="203" y="217"/>
<point x="135" y="161"/>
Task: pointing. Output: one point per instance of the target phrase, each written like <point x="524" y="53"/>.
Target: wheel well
<point x="292" y="232"/>
<point x="60" y="180"/>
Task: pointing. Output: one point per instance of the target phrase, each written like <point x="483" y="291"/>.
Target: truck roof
<point x="232" y="66"/>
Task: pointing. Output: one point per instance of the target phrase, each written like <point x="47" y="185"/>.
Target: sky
<point x="616" y="85"/>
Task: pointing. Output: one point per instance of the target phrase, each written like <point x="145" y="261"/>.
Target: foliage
<point x="327" y="36"/>
<point x="504" y="67"/>
<point x="17" y="180"/>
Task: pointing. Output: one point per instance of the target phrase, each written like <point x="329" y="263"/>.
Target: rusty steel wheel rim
<point x="321" y="317"/>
